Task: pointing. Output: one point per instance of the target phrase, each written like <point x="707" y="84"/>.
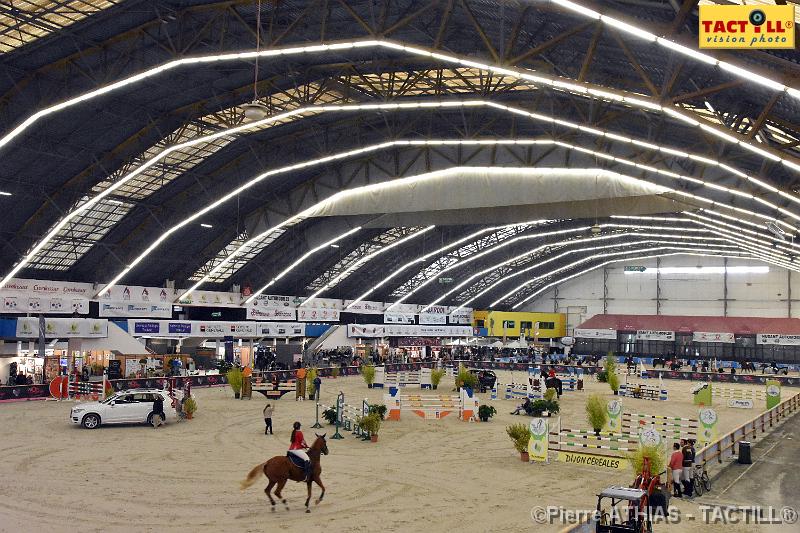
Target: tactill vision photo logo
<point x="747" y="26"/>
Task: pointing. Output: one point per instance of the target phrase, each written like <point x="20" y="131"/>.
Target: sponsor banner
<point x="317" y="314"/>
<point x="44" y="304"/>
<point x="403" y="330"/>
<point x="323" y="303"/>
<point x="138" y="294"/>
<point x="741" y="404"/>
<point x="704" y="336"/>
<point x="610" y="334"/>
<point x="212" y="299"/>
<point x="708" y="422"/>
<point x="748" y="27"/>
<point x="538" y="443"/>
<point x="273" y="301"/>
<point x="28" y="327"/>
<point x="614" y="410"/>
<point x="411" y="309"/>
<point x="654" y="335"/>
<point x="599" y="461"/>
<point x="434" y="314"/>
<point x="460" y="315"/>
<point x="364" y="307"/>
<point x="397" y="318"/>
<point x="54" y="289"/>
<point x="266" y="329"/>
<point x="775" y="338"/>
<point x="204" y="329"/>
<point x="773" y="393"/>
<point x="271" y="313"/>
<point x="132" y="310"/>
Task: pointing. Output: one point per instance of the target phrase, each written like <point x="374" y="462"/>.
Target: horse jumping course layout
<point x="671" y="427"/>
<point x="403" y="378"/>
<point x="434" y="406"/>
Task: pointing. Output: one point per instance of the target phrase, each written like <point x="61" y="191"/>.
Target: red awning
<point x="690" y="324"/>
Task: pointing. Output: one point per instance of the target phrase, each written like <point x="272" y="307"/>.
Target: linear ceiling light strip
<point x="315" y="110"/>
<point x="748" y="233"/>
<point x="545" y="261"/>
<point x="583" y="89"/>
<point x="590" y="258"/>
<point x="606" y="263"/>
<point x="425" y="257"/>
<point x="290" y="220"/>
<point x="301" y="259"/>
<point x="365" y="259"/>
<point x="675" y="47"/>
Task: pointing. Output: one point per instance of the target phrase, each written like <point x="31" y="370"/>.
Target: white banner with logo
<point x="775" y="338"/>
<point x="460" y="315"/>
<point x="44" y="304"/>
<point x="432" y="318"/>
<point x="654" y="335"/>
<point x="138" y="294"/>
<point x="364" y="307"/>
<point x="133" y="310"/>
<point x="323" y="303"/>
<point x="583" y="333"/>
<point x="320" y="314"/>
<point x="280" y="330"/>
<point x="28" y="327"/>
<point x="273" y="301"/>
<point x="411" y="309"/>
<point x="401" y="330"/>
<point x="398" y="318"/>
<point x="706" y="336"/>
<point x="212" y="299"/>
<point x="270" y="313"/>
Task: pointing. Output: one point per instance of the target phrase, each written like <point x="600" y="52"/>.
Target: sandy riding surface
<point x="423" y="475"/>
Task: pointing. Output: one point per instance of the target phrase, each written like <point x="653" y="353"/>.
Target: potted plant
<point x="485" y="412"/>
<point x="610" y="369"/>
<point x="329" y="414"/>
<point x="466" y="379"/>
<point x="520" y="435"/>
<point x="656" y="456"/>
<point x="550" y="394"/>
<point x="552" y="407"/>
<point x="368" y="373"/>
<point x="436" y="377"/>
<point x="596" y="413"/>
<point x="189" y="407"/>
<point x="370" y="423"/>
<point x="379" y="409"/>
<point x="234" y="376"/>
<point x="335" y="372"/>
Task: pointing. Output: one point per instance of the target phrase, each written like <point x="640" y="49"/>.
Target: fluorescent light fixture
<point x="701" y="270"/>
<point x="204" y="225"/>
<point x="4" y="193"/>
<point x="312" y="110"/>
<point x="334" y="245"/>
<point x="342" y="155"/>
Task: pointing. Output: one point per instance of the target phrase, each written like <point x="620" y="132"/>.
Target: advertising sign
<point x="775" y="338"/>
<point x="271" y="313"/>
<point x="708" y="422"/>
<point x="653" y="335"/>
<point x="317" y="314"/>
<point x="133" y="310"/>
<point x="614" y="410"/>
<point x="28" y="327"/>
<point x="610" y="334"/>
<point x="398" y="318"/>
<point x="364" y="307"/>
<point x="705" y="336"/>
<point x="748" y="27"/>
<point x="460" y="315"/>
<point x="539" y="441"/>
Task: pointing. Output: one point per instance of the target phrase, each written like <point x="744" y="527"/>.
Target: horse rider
<point x="298" y="448"/>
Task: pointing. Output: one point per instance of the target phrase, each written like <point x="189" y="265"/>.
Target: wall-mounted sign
<point x="609" y="334"/>
<point x="654" y="335"/>
<point x="705" y="336"/>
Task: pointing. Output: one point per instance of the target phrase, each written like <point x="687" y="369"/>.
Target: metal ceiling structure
<point x="121" y="171"/>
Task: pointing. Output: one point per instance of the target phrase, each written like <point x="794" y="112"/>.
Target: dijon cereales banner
<point x="748" y="27"/>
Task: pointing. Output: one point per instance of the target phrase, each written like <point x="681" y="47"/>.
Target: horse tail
<point x="251" y="477"/>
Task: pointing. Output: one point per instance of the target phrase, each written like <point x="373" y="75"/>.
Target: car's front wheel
<point x="91" y="421"/>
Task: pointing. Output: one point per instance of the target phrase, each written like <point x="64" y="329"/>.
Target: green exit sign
<point x="216" y="314"/>
<point x="635" y="268"/>
<point x="445" y="280"/>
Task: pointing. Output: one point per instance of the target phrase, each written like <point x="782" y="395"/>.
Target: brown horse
<point x="280" y="469"/>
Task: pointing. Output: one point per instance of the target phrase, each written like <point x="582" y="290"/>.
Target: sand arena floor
<point x="422" y="476"/>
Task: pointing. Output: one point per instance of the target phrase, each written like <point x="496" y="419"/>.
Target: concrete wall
<point x="609" y="290"/>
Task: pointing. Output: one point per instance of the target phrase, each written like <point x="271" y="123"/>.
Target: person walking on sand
<point x="268" y="410"/>
<point x="158" y="416"/>
<point x="300" y="387"/>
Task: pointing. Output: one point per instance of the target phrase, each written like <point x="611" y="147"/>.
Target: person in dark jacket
<point x="158" y="415"/>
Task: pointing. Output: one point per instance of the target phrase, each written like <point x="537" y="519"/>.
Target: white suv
<point x="133" y="406"/>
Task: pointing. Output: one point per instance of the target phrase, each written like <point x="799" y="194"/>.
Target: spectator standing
<point x="317" y="385"/>
<point x="268" y="410"/>
<point x="676" y="466"/>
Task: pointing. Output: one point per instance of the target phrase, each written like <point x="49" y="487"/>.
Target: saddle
<point x="296" y="461"/>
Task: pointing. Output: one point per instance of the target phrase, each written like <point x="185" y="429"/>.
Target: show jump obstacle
<point x="421" y="377"/>
<point x="275" y="391"/>
<point x="671" y="427"/>
<point x="346" y="417"/>
<point x="433" y="406"/>
<point x="705" y="393"/>
<point x="644" y="391"/>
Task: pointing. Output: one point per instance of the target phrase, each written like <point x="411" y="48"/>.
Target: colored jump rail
<point x="670" y="426"/>
<point x="402" y="378"/>
<point x="571" y="439"/>
<point x="434" y="406"/>
<point x="83" y="390"/>
<point x="643" y="391"/>
<point x="273" y="392"/>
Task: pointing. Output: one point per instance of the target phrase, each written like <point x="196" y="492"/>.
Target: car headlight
<point x="75" y="410"/>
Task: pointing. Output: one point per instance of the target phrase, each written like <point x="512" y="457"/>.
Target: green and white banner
<point x="773" y="393"/>
<point x="538" y="443"/>
<point x="614" y="410"/>
<point x="708" y="425"/>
